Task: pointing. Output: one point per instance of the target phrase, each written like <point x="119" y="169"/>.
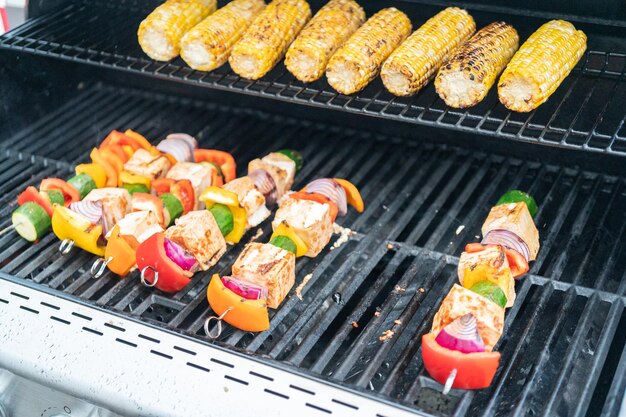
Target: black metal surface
<point x="563" y="351"/>
<point x="586" y="113"/>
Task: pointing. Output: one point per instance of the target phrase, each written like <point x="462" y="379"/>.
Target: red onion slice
<point x="179" y="148"/>
<point x="264" y="182"/>
<point x="244" y="289"/>
<point x="193" y="143"/>
<point x="179" y="256"/>
<point x="90" y="210"/>
<point x="508" y="239"/>
<point x="330" y="189"/>
<point x="461" y="335"/>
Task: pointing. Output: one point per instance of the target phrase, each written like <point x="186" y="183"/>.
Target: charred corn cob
<point x="160" y="33"/>
<point x="467" y="77"/>
<point x="540" y="65"/>
<point x="268" y="37"/>
<point x="308" y="56"/>
<point x="358" y="61"/>
<point x="208" y="45"/>
<point x="416" y="61"/>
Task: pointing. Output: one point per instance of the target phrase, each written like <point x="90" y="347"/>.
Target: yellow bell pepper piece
<point x="128" y="178"/>
<point x="484" y="272"/>
<point x="284" y="229"/>
<point x="95" y="171"/>
<point x="68" y="225"/>
<point x="128" y="150"/>
<point x="216" y="195"/>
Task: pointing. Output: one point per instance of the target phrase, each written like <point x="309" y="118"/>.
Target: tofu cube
<point x="134" y="227"/>
<point x="496" y="266"/>
<point x="199" y="234"/>
<point x="280" y="167"/>
<point x="310" y="220"/>
<point x="115" y="204"/>
<point x="268" y="266"/>
<point x="515" y="218"/>
<point x="144" y="163"/>
<point x="460" y="301"/>
<point x="198" y="174"/>
<point x="250" y="199"/>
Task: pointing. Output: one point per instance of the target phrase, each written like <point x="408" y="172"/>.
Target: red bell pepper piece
<point x="121" y="139"/>
<point x="162" y="185"/>
<point x="31" y="194"/>
<point x="225" y="161"/>
<point x="183" y="190"/>
<point x="318" y="198"/>
<point x="516" y="260"/>
<point x="151" y="253"/>
<point x="70" y="194"/>
<point x="473" y="370"/>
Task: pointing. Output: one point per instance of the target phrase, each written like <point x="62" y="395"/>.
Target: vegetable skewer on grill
<point x="265" y="42"/>
<point x="264" y="273"/>
<point x="541" y="65"/>
<point x="458" y="351"/>
<point x="208" y="45"/>
<point x="467" y="77"/>
<point x="410" y="67"/>
<point x="160" y="33"/>
<point x="309" y="54"/>
<point x="358" y="61"/>
<point x="198" y="239"/>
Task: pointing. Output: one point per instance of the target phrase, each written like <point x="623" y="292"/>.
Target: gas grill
<point x="428" y="175"/>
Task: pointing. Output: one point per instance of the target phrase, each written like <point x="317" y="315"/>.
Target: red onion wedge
<point x="180" y="146"/>
<point x="244" y="289"/>
<point x="508" y="239"/>
<point x="461" y="335"/>
<point x="264" y="182"/>
<point x="90" y="210"/>
<point x="330" y="189"/>
<point x="179" y="256"/>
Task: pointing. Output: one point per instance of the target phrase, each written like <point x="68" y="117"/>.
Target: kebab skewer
<point x="264" y="273"/>
<point x="198" y="239"/>
<point x="458" y="351"/>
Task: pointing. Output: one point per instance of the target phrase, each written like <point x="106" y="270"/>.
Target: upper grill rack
<point x="585" y="113"/>
<point x="565" y="337"/>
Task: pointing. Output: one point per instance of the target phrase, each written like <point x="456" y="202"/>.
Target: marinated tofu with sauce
<point x="280" y="167"/>
<point x="144" y="163"/>
<point x="268" y="266"/>
<point x="250" y="198"/>
<point x="198" y="174"/>
<point x="310" y="220"/>
<point x="515" y="218"/>
<point x="137" y="227"/>
<point x="200" y="235"/>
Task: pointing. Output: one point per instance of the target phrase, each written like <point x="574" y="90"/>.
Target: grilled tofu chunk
<point x="200" y="235"/>
<point x="496" y="266"/>
<point x="269" y="266"/>
<point x="281" y="168"/>
<point x="310" y="220"/>
<point x="198" y="174"/>
<point x="138" y="226"/>
<point x="250" y="199"/>
<point x="461" y="301"/>
<point x="144" y="163"/>
<point x="115" y="204"/>
<point x="515" y="218"/>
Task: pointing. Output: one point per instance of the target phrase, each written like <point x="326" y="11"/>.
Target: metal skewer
<point x="219" y="319"/>
<point x="9" y="228"/>
<point x="142" y="276"/>
<point x="448" y="386"/>
<point x="66" y="246"/>
<point x="99" y="266"/>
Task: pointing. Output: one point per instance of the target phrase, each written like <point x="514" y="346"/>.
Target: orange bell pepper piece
<point x="352" y="193"/>
<point x="109" y="169"/>
<point x="244" y="314"/>
<point x="121" y="252"/>
<point x="224" y="159"/>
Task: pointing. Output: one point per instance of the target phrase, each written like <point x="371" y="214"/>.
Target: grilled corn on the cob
<point x="208" y="45"/>
<point x="268" y="37"/>
<point x="415" y="62"/>
<point x="308" y="56"/>
<point x="160" y="33"/>
<point x="540" y="65"/>
<point x="467" y="77"/>
<point x="358" y="61"/>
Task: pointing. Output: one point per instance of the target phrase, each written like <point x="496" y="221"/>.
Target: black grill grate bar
<point x="608" y="331"/>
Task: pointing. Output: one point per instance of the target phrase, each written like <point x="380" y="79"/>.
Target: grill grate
<point x="585" y="113"/>
<point x="564" y="342"/>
